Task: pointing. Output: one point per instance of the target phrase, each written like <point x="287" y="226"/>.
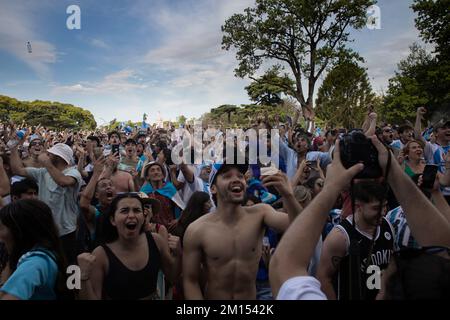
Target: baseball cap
<point x="63" y="151"/>
<point x="35" y="137"/>
<point x="441" y="125"/>
<point x="217" y="168"/>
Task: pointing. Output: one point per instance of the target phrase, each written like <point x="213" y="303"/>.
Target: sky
<point x="159" y="57"/>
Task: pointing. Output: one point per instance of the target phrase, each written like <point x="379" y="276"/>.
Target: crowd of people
<point x="311" y="224"/>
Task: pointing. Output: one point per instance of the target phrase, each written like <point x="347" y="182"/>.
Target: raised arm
<point x="170" y="250"/>
<point x="372" y="125"/>
<point x="88" y="194"/>
<point x="421" y="111"/>
<point x="430" y="229"/>
<point x="297" y="179"/>
<point x="60" y="179"/>
<point x="290" y="204"/>
<point x="16" y="163"/>
<point x="92" y="274"/>
<point x="290" y="259"/>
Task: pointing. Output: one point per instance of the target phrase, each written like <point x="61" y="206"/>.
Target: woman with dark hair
<point x="36" y="263"/>
<point x="126" y="266"/>
<point x="198" y="205"/>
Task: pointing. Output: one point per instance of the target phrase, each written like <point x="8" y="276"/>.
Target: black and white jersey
<point x="353" y="268"/>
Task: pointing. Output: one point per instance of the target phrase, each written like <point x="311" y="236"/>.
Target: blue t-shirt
<point x="402" y="234"/>
<point x="34" y="277"/>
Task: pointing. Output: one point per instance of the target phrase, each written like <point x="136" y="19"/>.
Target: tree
<point x="305" y="35"/>
<point x="423" y="79"/>
<point x="433" y="22"/>
<point x="49" y="114"/>
<point x="345" y="95"/>
<point x="224" y="109"/>
<point x="267" y="89"/>
<point x="181" y="119"/>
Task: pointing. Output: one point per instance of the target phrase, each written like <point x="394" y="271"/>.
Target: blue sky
<point x="152" y="56"/>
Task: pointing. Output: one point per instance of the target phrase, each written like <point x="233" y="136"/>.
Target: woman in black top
<point x="126" y="266"/>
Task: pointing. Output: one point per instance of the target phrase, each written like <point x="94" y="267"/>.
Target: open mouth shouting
<point x="109" y="195"/>
<point x="131" y="225"/>
<point x="237" y="189"/>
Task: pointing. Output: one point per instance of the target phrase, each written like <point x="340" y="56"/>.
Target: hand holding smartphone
<point x="429" y="176"/>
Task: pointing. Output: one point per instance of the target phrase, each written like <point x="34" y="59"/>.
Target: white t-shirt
<point x="62" y="200"/>
<point x="189" y="188"/>
<point x="301" y="288"/>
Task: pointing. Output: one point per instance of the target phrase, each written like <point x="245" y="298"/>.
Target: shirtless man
<point x="122" y="181"/>
<point x="227" y="243"/>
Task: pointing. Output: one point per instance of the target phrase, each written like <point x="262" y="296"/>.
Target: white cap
<point x="62" y="150"/>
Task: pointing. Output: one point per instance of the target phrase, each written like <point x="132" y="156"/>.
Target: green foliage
<point x="267" y="89"/>
<point x="308" y="36"/>
<point x="421" y="80"/>
<point x="433" y="22"/>
<point x="181" y="120"/>
<point x="344" y="97"/>
<point x="53" y="115"/>
<point x="224" y="109"/>
<point x="248" y="115"/>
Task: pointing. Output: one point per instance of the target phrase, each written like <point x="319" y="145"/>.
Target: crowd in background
<point x="140" y="226"/>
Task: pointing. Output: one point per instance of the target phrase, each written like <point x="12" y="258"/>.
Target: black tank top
<point x="122" y="283"/>
<point x="352" y="276"/>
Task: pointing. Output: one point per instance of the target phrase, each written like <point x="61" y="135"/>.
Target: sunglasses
<point x="36" y="144"/>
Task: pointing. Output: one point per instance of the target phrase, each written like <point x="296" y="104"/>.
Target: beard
<point x="228" y="197"/>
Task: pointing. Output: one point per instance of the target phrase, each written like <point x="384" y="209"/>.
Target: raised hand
<point x="86" y="263"/>
<point x="174" y="245"/>
<point x="280" y="181"/>
<point x="421" y="111"/>
<point x="337" y="176"/>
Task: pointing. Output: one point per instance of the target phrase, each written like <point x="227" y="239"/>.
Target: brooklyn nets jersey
<point x="353" y="274"/>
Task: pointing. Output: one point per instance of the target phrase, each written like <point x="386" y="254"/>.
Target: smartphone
<point x="268" y="171"/>
<point x="429" y="176"/>
<point x="115" y="148"/>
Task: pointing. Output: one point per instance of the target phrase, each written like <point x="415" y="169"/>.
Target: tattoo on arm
<point x="336" y="261"/>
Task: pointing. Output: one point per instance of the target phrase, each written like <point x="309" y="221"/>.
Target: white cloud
<point x="98" y="43"/>
<point x="199" y="74"/>
<point x="119" y="82"/>
<point x="382" y="61"/>
<point x="16" y="30"/>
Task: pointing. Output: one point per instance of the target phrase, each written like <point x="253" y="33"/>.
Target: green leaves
<point x="53" y="115"/>
<point x="303" y="36"/>
<point x="433" y="22"/>
<point x="344" y="96"/>
<point x="267" y="89"/>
